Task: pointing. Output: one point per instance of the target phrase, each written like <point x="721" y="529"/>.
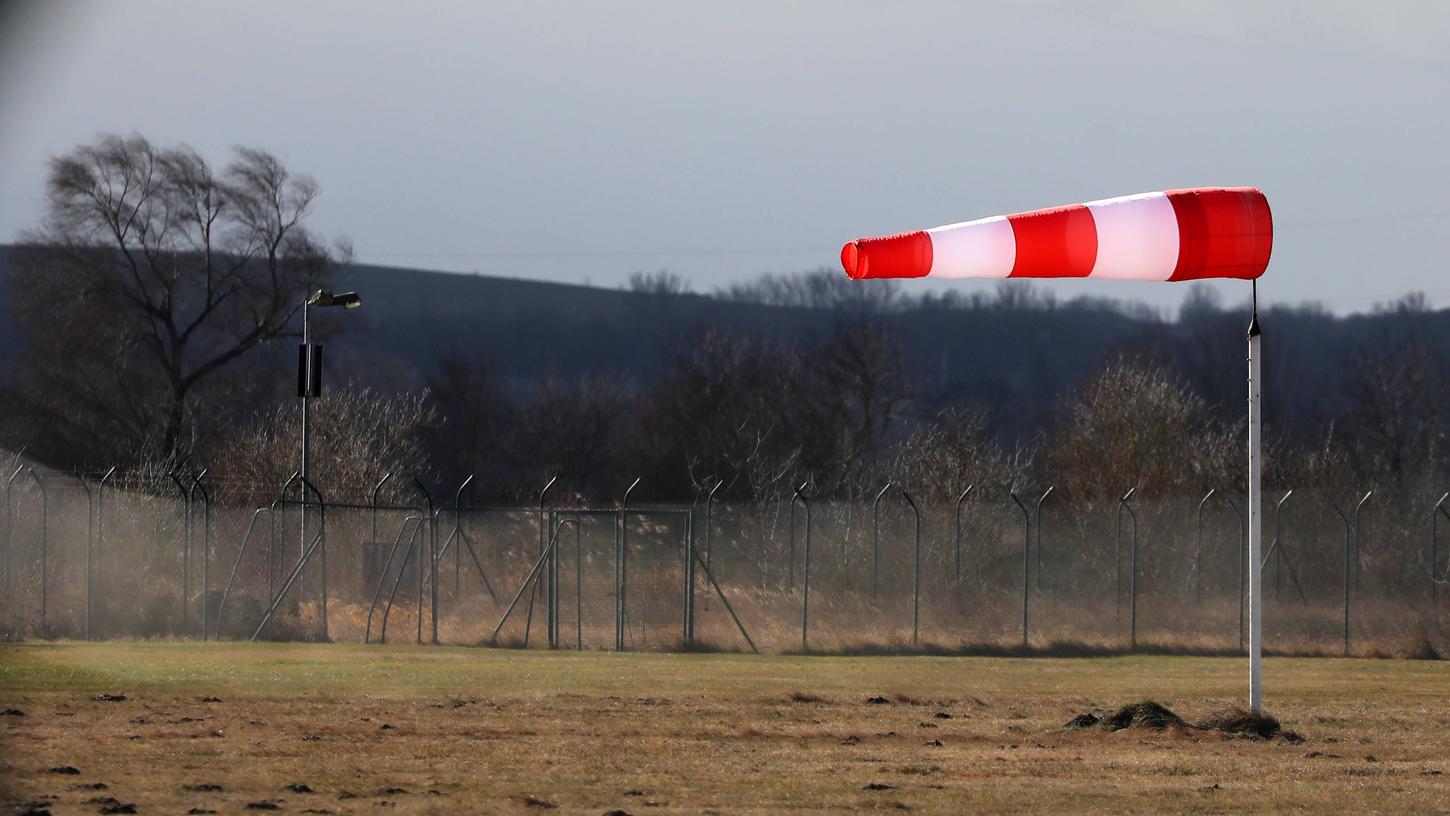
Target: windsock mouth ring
<point x="905" y="255"/>
<point x="853" y="260"/>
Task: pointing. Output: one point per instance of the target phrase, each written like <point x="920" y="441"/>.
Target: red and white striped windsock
<point x="1177" y="235"/>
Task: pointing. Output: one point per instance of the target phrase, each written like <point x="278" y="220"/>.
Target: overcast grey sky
<point x="575" y="141"/>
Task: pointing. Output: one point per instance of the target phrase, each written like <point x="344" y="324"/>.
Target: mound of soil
<point x="1243" y="721"/>
<point x="1149" y="714"/>
<point x="1143" y="714"/>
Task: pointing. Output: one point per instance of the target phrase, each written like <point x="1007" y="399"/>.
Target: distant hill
<point x="1018" y="361"/>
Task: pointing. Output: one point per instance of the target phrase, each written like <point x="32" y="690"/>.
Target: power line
<point x="814" y="251"/>
<point x="1367" y="219"/>
<point x="598" y="253"/>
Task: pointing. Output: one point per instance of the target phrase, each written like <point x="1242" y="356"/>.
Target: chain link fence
<point x="992" y="571"/>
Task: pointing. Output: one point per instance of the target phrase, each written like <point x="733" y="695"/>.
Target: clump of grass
<point x="1243" y="721"/>
<point x="1150" y="714"/>
<point x="799" y="696"/>
<point x="1143" y="714"/>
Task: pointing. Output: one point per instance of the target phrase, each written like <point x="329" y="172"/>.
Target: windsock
<point x="1176" y="235"/>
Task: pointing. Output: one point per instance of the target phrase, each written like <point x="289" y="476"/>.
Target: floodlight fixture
<point x="347" y="300"/>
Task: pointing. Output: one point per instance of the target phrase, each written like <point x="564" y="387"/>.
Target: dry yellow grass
<point x="452" y="730"/>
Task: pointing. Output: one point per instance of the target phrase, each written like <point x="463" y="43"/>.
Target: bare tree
<point x="570" y="430"/>
<point x="825" y="289"/>
<point x="476" y="413"/>
<point x="726" y="410"/>
<point x="951" y="450"/>
<point x="151" y="273"/>
<point x="1395" y="420"/>
<point x="661" y="283"/>
<point x="861" y="389"/>
<point x="1136" y="423"/>
<point x="358" y="435"/>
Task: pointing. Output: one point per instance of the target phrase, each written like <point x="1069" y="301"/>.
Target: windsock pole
<point x="1256" y="585"/>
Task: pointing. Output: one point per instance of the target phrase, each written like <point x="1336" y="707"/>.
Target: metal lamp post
<point x="309" y="382"/>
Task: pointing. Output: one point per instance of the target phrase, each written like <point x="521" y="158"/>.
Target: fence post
<point x="1242" y="559"/>
<point x="1132" y="568"/>
<point x="186" y="547"/>
<point x="1358" y="566"/>
<point x="1026" y="559"/>
<point x="241" y="551"/>
<point x="1038" y="510"/>
<point x="1434" y="549"/>
<point x="90" y="545"/>
<point x="915" y="570"/>
<point x="689" y="599"/>
<point x="1274" y="547"/>
<point x="805" y="567"/>
<point x="876" y="537"/>
<point x="1278" y="548"/>
<point x="534" y="593"/>
<point x="457" y="533"/>
<point x="459" y="540"/>
<point x="957" y="535"/>
<point x="295" y="574"/>
<point x="578" y="582"/>
<point x="1196" y="573"/>
<point x="709" y="517"/>
<point x="206" y="549"/>
<point x="377" y="488"/>
<point x="191" y="541"/>
<point x="44" y="548"/>
<point x="432" y="542"/>
<point x="1348" y="571"/>
<point x="9" y="514"/>
<point x="100" y="531"/>
<point x="402" y="571"/>
<point x="621" y="565"/>
<point x="272" y="555"/>
<point x="1118" y="561"/>
<point x="422" y="571"/>
<point x="321" y="549"/>
<point x="373" y="542"/>
<point x="536" y="573"/>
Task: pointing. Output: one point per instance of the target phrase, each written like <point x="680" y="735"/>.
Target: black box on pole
<point x="309" y="370"/>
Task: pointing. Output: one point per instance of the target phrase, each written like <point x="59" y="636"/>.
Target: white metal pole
<point x="1256" y="586"/>
<point x="306" y="389"/>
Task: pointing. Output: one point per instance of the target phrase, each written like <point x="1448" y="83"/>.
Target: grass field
<point x="401" y="729"/>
